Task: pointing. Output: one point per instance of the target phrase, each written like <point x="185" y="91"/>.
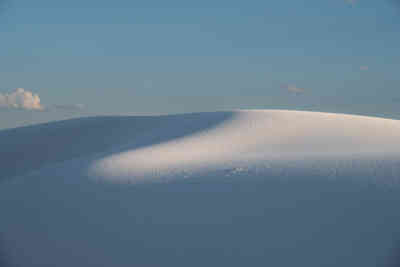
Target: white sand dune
<point x="245" y="188"/>
<point x="261" y="138"/>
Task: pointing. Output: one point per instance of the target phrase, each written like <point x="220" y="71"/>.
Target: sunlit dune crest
<point x="251" y="138"/>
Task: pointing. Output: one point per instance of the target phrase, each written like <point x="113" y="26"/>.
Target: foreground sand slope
<point x="243" y="188"/>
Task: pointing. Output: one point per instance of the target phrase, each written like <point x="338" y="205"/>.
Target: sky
<point x="64" y="59"/>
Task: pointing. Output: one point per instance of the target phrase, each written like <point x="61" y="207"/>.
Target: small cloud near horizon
<point x="24" y="99"/>
<point x="21" y="99"/>
<point x="293" y="89"/>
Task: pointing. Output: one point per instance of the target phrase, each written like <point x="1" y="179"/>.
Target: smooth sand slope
<point x="250" y="139"/>
<point x="242" y="188"/>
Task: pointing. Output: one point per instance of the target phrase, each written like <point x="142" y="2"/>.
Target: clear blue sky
<point x="154" y="56"/>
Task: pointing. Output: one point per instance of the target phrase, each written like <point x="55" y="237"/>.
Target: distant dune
<point x="240" y="188"/>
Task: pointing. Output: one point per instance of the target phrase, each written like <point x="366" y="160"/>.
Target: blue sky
<point x="95" y="57"/>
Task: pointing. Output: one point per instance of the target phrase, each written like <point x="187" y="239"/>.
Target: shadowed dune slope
<point x="28" y="148"/>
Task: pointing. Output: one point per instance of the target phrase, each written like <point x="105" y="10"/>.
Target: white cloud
<point x="294" y="89"/>
<point x="20" y="99"/>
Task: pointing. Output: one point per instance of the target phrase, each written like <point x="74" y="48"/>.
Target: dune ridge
<point x="268" y="141"/>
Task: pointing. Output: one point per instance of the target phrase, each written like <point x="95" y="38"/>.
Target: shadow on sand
<point x="27" y="148"/>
